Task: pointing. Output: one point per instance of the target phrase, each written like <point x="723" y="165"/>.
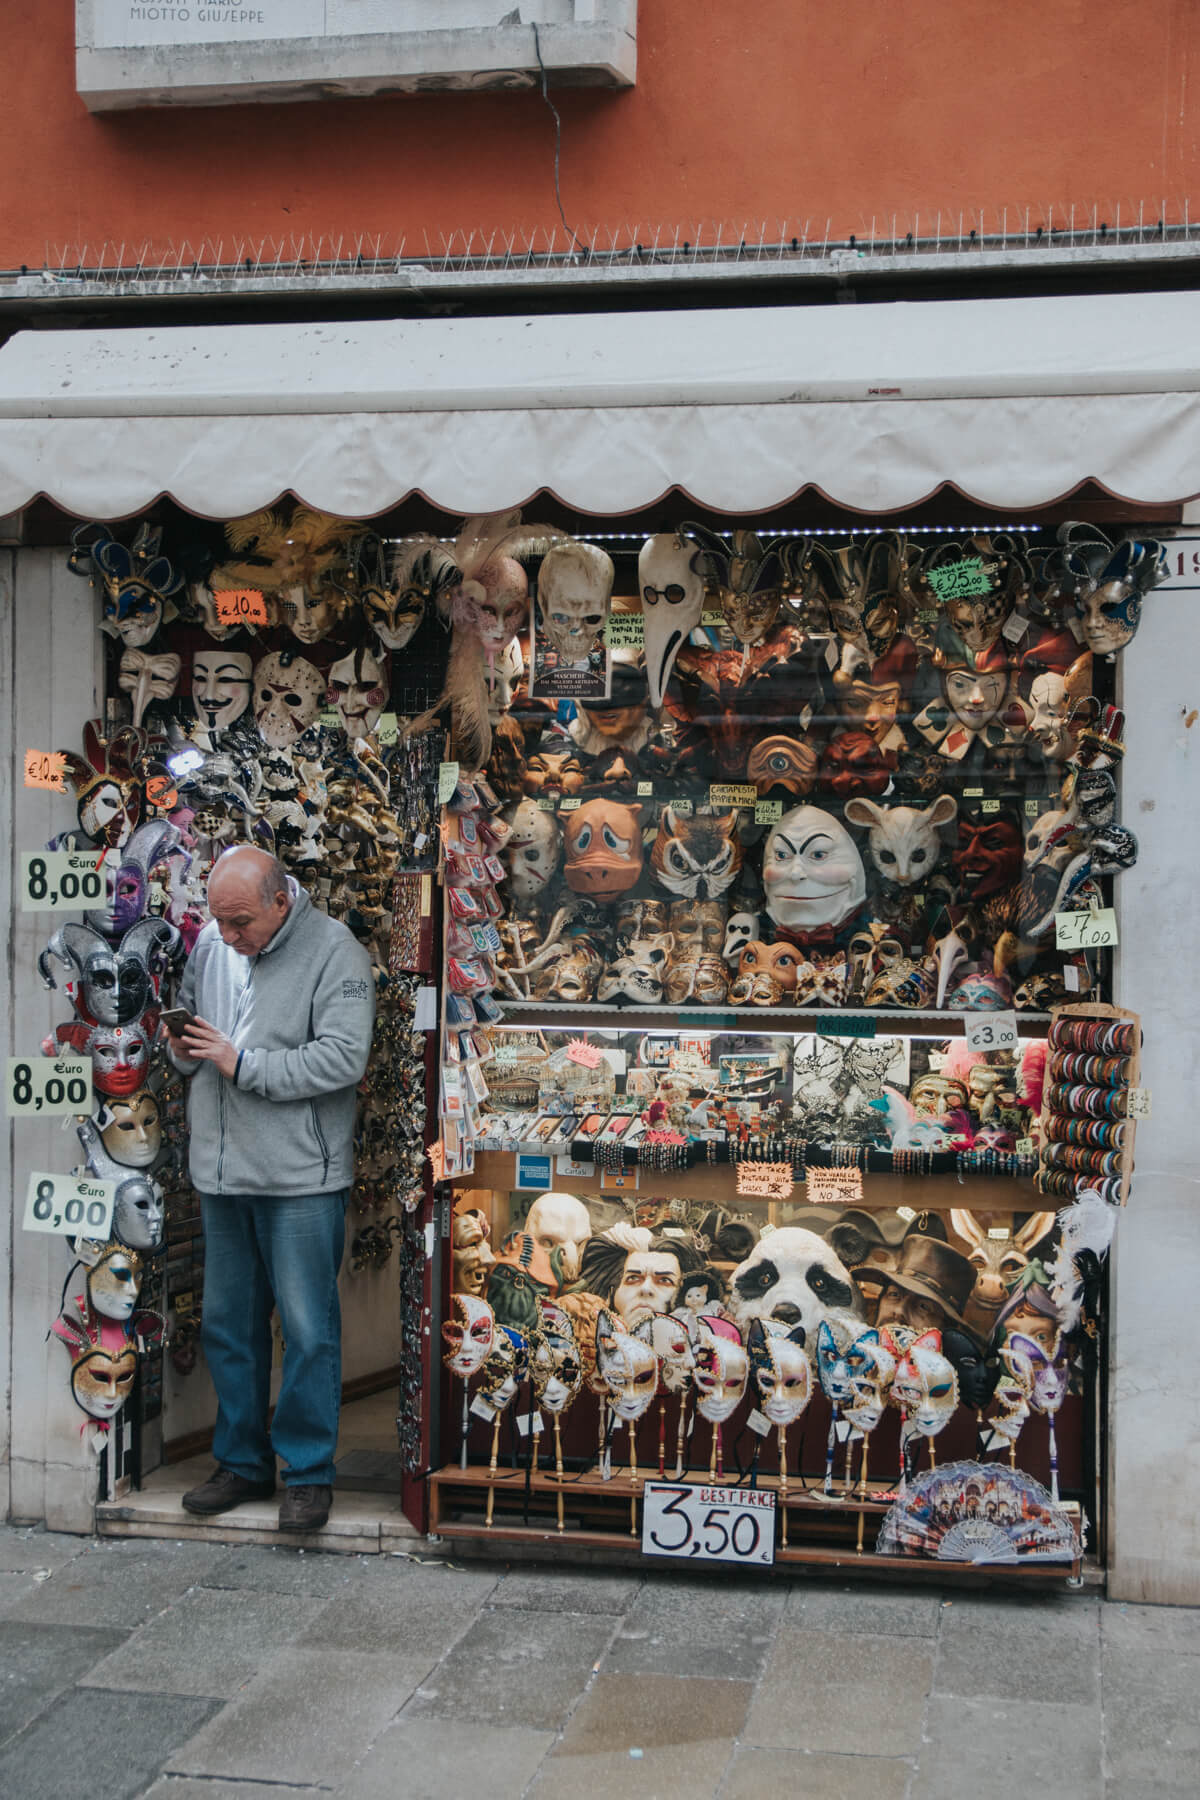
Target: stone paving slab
<point x="1152" y="1717"/>
<point x="306" y="1719"/>
<point x="1132" y="1627"/>
<point x="116" y="1584"/>
<point x="32" y="1548"/>
<point x="1020" y="1652"/>
<point x="89" y="1742"/>
<point x="633" y="1735"/>
<point x="755" y="1773"/>
<point x="183" y="1787"/>
<point x="990" y="1749"/>
<point x="843" y="1692"/>
<point x="401" y="1608"/>
<point x="420" y="1759"/>
<point x="858" y="1606"/>
<point x="566" y="1590"/>
<point x="525" y="1668"/>
<point x="208" y="1642"/>
<point x="38" y="1661"/>
<point x="678" y="1627"/>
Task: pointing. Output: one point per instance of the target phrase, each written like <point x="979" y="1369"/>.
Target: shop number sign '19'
<point x="64" y="879"/>
<point x="709" y="1524"/>
<point x="77" y="1205"/>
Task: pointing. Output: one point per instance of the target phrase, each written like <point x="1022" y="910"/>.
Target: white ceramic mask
<point x="358" y="687"/>
<point x="722" y="1371"/>
<point x="812" y="872"/>
<point x="469" y="1336"/>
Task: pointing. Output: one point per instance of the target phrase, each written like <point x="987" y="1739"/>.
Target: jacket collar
<point x="299" y="906"/>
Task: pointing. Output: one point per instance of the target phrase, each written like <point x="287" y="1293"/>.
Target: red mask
<point x="988" y="856"/>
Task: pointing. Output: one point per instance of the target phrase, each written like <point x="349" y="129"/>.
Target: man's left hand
<point x="206" y="1044"/>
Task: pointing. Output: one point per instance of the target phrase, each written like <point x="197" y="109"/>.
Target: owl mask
<point x="696" y="857"/>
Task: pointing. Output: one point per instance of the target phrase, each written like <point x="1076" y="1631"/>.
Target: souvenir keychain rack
<point x="1087" y="1135"/>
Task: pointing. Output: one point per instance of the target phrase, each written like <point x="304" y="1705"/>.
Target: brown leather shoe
<point x="305" y="1508"/>
<point x="224" y="1490"/>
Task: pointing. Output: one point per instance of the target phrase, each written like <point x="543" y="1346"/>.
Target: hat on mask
<point x="932" y="1270"/>
<point x="628" y="689"/>
<point x="856" y="1232"/>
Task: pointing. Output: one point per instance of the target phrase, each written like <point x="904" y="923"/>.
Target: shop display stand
<point x="839" y="1532"/>
<point x="1084" y="1012"/>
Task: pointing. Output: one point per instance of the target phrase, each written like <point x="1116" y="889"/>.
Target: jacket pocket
<point x="318" y="1133"/>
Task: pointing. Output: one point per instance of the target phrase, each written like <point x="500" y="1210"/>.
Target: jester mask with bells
<point x="925" y="1385"/>
<point x="115" y="987"/>
<point x="135" y="582"/>
<point x="358" y="687"/>
<point x="127" y="878"/>
<point x="812" y="872"/>
<point x="103" y="1364"/>
<point x="694" y="856"/>
<point x="469" y="1336"/>
<point x="627" y="1366"/>
<point x="747" y="577"/>
<point x="555" y="1365"/>
<point x="145" y="678"/>
<point x="287" y="697"/>
<point x="222" y="681"/>
<point x="1109" y="582"/>
<point x="107" y="783"/>
<point x="671" y="577"/>
<point x="138" y="1212"/>
<point x="781" y="1371"/>
<point x="722" y="1370"/>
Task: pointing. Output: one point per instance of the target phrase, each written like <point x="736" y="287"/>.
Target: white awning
<point x="1014" y="402"/>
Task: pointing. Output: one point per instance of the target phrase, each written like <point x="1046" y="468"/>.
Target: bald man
<point x="283" y="1004"/>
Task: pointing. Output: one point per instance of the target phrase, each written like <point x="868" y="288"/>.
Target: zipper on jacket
<point x="316" y="1125"/>
<point x="220" y="1131"/>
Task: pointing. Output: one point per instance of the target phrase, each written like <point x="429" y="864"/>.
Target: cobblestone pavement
<point x="194" y="1671"/>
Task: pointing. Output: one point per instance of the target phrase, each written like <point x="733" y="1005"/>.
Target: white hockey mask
<point x="672" y="584"/>
<point x="533" y="852"/>
<point x="574" y="592"/>
<point x="287" y="697"/>
<point x="812" y="872"/>
<point x="358" y="687"/>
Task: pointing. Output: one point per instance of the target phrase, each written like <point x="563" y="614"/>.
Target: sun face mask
<point x="469" y="1336"/>
<point x="722" y="1372"/>
<point x="287" y="697"/>
<point x="358" y="687"/>
<point x="812" y="872"/>
<point x="781" y="1372"/>
<point x="222" y="681"/>
<point x="694" y="856"/>
<point x="671" y="578"/>
<point x="603" y="849"/>
<point x="131" y="1129"/>
<point x="627" y="1366"/>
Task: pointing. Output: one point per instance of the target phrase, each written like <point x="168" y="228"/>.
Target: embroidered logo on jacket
<point x="355" y="990"/>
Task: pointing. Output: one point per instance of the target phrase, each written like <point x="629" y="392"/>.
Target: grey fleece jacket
<point x="301" y="1014"/>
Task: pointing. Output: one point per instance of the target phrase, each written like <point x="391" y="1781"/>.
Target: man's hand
<point x="205" y="1043"/>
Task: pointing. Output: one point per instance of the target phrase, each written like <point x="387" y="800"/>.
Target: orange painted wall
<point x="777" y="110"/>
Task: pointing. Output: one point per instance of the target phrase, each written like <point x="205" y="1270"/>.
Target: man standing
<point x="283" y="1005"/>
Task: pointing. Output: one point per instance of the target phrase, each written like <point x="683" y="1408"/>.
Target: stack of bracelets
<point x="1086" y="1134"/>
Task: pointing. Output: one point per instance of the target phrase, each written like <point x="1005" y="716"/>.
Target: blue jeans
<point x="259" y="1250"/>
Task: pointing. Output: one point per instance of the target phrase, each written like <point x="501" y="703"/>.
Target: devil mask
<point x="812" y="872"/>
<point x="604" y="849"/>
<point x="670" y="575"/>
<point x="781" y="1371"/>
<point x="988" y="854"/>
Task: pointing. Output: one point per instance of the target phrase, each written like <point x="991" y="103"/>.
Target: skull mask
<point x="670" y="575"/>
<point x="287" y="697"/>
<point x="358" y="687"/>
<point x="221" y="685"/>
<point x="812" y="871"/>
<point x="574" y="591"/>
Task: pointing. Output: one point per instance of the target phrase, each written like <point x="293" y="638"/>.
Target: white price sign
<point x="992" y="1031"/>
<point x="35" y="1084"/>
<point x="81" y="1206"/>
<point x="710" y="1524"/>
<point x="66" y="879"/>
<point x="1086" y="930"/>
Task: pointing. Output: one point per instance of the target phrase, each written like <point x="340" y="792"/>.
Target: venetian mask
<point x="812" y="872"/>
<point x="627" y="1366"/>
<point x="988" y="855"/>
<point x="145" y="678"/>
<point x="131" y="1129"/>
<point x="671" y="1343"/>
<point x="308" y="614"/>
<point x="287" y="697"/>
<point x="135" y="586"/>
<point x="533" y="852"/>
<point x="554" y="1362"/>
<point x="469" y="1336"/>
<point x="978" y="619"/>
<point x="695" y="856"/>
<point x="935" y="1095"/>
<point x="138" y="1212"/>
<point x="721" y="1374"/>
<point x="107" y="784"/>
<point x="503" y="1368"/>
<point x="120" y="1058"/>
<point x="869" y="1387"/>
<point x="838" y="1366"/>
<point x="671" y="579"/>
<point x="638" y="975"/>
<point x="603" y="849"/>
<point x="114" y="1282"/>
<point x="358" y="687"/>
<point x="741" y="929"/>
<point x="648" y="1285"/>
<point x="782" y="762"/>
<point x="1049" y="1371"/>
<point x="127" y="879"/>
<point x="221" y="684"/>
<point x="925" y="1385"/>
<point x="575" y="585"/>
<point x="781" y="1371"/>
<point x="1110" y="588"/>
<point x="471" y="1254"/>
<point x="976" y="696"/>
<point x="115" y="986"/>
<point x="767" y="974"/>
<point x="699" y="924"/>
<point x="492" y="605"/>
<point x="560" y="1222"/>
<point x="976" y="1375"/>
<point x="1052" y="698"/>
<point x="420" y="569"/>
<point x="103" y="1364"/>
<point x="1013" y="1394"/>
<point x="696" y="976"/>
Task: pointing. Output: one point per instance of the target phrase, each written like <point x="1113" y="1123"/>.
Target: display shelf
<point x="606" y="1515"/>
<point x="755" y="1020"/>
<point x="497" y="1169"/>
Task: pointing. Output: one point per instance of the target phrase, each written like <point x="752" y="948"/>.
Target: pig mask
<point x="603" y="849"/>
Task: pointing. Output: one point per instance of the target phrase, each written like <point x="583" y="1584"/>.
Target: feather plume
<point x="1089" y="1224"/>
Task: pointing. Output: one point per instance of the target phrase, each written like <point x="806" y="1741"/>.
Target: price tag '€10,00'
<point x="76" y="1206"/>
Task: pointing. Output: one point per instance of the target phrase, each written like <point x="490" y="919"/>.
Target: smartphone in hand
<point x="177" y="1019"/>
